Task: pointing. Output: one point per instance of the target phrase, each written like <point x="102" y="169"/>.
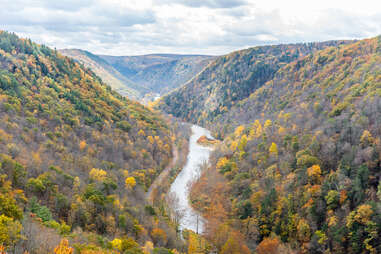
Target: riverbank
<point x="163" y="175"/>
<point x="180" y="149"/>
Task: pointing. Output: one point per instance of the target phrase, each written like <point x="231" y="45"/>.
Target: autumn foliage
<point x="67" y="141"/>
<point x="268" y="246"/>
<point x="298" y="165"/>
<point x="64" y="248"/>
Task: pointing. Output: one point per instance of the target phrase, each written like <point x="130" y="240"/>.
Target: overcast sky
<point x="133" y="27"/>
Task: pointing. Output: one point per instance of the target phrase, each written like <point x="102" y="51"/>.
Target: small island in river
<point x="205" y="141"/>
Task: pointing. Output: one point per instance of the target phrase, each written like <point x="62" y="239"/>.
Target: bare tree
<point x="176" y="211"/>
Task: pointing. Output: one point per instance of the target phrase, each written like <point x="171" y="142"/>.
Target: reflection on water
<point x="197" y="156"/>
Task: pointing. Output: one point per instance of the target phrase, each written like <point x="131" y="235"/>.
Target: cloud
<point x="97" y="15"/>
<point x="335" y="22"/>
<point x="210" y="3"/>
<point x="68" y="5"/>
<point x="132" y="27"/>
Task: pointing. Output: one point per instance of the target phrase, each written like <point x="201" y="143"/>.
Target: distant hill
<point x="231" y="78"/>
<point x="108" y="73"/>
<point x="160" y="73"/>
<point x="142" y="76"/>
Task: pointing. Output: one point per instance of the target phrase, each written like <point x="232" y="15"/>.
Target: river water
<point x="197" y="156"/>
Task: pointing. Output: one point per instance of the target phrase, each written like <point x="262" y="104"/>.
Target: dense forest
<point x="298" y="170"/>
<point x="231" y="78"/>
<point x="75" y="159"/>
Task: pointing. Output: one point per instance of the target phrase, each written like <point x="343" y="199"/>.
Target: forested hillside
<point x="301" y="174"/>
<point x="75" y="158"/>
<point x="109" y="74"/>
<point x="159" y="73"/>
<point x="232" y="78"/>
<point x="297" y="168"/>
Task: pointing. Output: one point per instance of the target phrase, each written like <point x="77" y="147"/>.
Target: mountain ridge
<point x="155" y="70"/>
<point x="231" y="78"/>
<point x="143" y="76"/>
<point x="109" y="74"/>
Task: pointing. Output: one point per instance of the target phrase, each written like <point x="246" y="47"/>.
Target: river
<point x="197" y="156"/>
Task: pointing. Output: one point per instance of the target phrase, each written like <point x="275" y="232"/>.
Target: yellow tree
<point x="98" y="174"/>
<point x="238" y="131"/>
<point x="267" y="124"/>
<point x="116" y="244"/>
<point x="233" y="145"/>
<point x="222" y="162"/>
<point x="362" y="215"/>
<point x="273" y="149"/>
<point x="9" y="230"/>
<point x="151" y="139"/>
<point x="256" y="130"/>
<point x="366" y="138"/>
<point x="242" y="143"/>
<point x="314" y="173"/>
<point x="148" y="247"/>
<point x="130" y="182"/>
<point x="63" y="248"/>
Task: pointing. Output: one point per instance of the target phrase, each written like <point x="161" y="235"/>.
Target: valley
<point x="270" y="149"/>
<point x="290" y="173"/>
<point x="143" y="77"/>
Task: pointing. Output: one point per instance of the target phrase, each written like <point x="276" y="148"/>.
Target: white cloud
<point x="208" y="3"/>
<point x="130" y="27"/>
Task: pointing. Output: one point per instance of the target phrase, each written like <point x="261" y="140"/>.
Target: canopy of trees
<point x="299" y="167"/>
<point x="69" y="143"/>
